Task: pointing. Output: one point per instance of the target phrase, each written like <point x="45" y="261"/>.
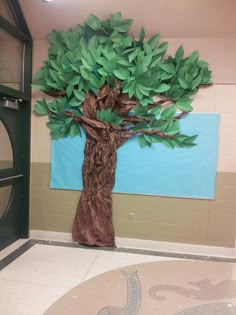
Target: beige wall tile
<point x="217" y="220"/>
<point x="57" y="223"/>
<point x="136" y="202"/>
<point x="38" y="181"/>
<point x="226" y="193"/>
<point x="227" y="164"/>
<point x="41" y="155"/>
<point x="221" y="235"/>
<point x="168" y="216"/>
<point x="158" y="218"/>
<point x="161" y="232"/>
<point x="226" y="179"/>
<point x="227" y="207"/>
<point x="227" y="156"/>
<point x="41" y="168"/>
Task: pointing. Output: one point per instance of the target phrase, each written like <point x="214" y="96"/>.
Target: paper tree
<point x="114" y="87"/>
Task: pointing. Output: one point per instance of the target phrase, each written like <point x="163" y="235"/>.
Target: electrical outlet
<point x="131" y="216"/>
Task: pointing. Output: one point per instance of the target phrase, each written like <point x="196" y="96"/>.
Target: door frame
<point x="21" y="32"/>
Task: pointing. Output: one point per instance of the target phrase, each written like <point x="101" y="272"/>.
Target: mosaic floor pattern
<point x="166" y="288"/>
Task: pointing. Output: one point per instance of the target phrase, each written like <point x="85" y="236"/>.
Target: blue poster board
<point x="154" y="170"/>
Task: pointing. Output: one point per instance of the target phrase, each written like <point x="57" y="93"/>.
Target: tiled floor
<point x="44" y="273"/>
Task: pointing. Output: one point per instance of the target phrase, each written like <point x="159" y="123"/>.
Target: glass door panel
<point x="11" y="60"/>
<point x="6" y="12"/>
<point x="6" y="152"/>
<point x="5" y="196"/>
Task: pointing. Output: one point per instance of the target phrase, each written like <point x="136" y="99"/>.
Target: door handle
<point x="11" y="177"/>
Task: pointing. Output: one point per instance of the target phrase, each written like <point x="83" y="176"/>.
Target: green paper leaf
<point x="133" y="55"/>
<point x="168" y="143"/>
<point x="85" y="64"/>
<point x="102" y="72"/>
<point x="41" y="107"/>
<point x="183" y="82"/>
<point x="142" y="141"/>
<point x="140" y="126"/>
<point x="80" y="95"/>
<point x="184" y="105"/>
<point x="179" y="55"/>
<point x="55" y="125"/>
<point x="169" y="112"/>
<point x="62" y="103"/>
<point x="148" y="49"/>
<point x="38" y="86"/>
<point x="68" y="120"/>
<point x="54" y="65"/>
<point x="124" y="62"/>
<point x="94" y="80"/>
<point x="162" y="88"/>
<point x="197" y="80"/>
<point x="75" y="130"/>
<point x="109" y="116"/>
<point x="117" y="17"/>
<point x="84" y="73"/>
<point x="156" y="110"/>
<point x="122" y="74"/>
<point x="140" y="110"/>
<point x="173" y="128"/>
<point x="142" y="35"/>
<point x="146" y="101"/>
<point x="152" y="138"/>
<point x="194" y="57"/>
<point x="161" y="50"/>
<point x="39" y="75"/>
<point x="69" y="90"/>
<point x="94" y="22"/>
<point x="74" y="102"/>
<point x="123" y="26"/>
<point x="153" y="41"/>
<point x="75" y="80"/>
<point x="203" y="64"/>
<point x="169" y="68"/>
<point x="53" y="74"/>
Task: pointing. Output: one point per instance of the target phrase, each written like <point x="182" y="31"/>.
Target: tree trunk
<point x="93" y="221"/>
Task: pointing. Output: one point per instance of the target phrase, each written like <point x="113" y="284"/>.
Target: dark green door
<point x="12" y="176"/>
<point x="15" y="76"/>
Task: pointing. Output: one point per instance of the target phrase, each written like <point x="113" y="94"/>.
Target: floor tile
<point x="164" y="287"/>
<point x="107" y="261"/>
<point x="8" y="250"/>
<point x="19" y="298"/>
<point x="50" y="265"/>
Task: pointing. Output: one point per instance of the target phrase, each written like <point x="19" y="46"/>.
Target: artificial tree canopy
<point x="150" y="92"/>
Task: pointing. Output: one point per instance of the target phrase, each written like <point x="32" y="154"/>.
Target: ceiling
<point x="170" y="18"/>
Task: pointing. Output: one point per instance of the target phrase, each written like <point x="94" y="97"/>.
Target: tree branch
<point x="129" y="134"/>
<point x="55" y="93"/>
<point x="160" y="103"/>
<point x="149" y="132"/>
<point x="94" y="123"/>
<point x="181" y="115"/>
<point x="134" y="120"/>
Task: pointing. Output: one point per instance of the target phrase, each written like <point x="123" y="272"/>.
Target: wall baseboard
<point x="166" y="247"/>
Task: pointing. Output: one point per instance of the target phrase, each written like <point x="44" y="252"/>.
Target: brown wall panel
<point x="194" y="221"/>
